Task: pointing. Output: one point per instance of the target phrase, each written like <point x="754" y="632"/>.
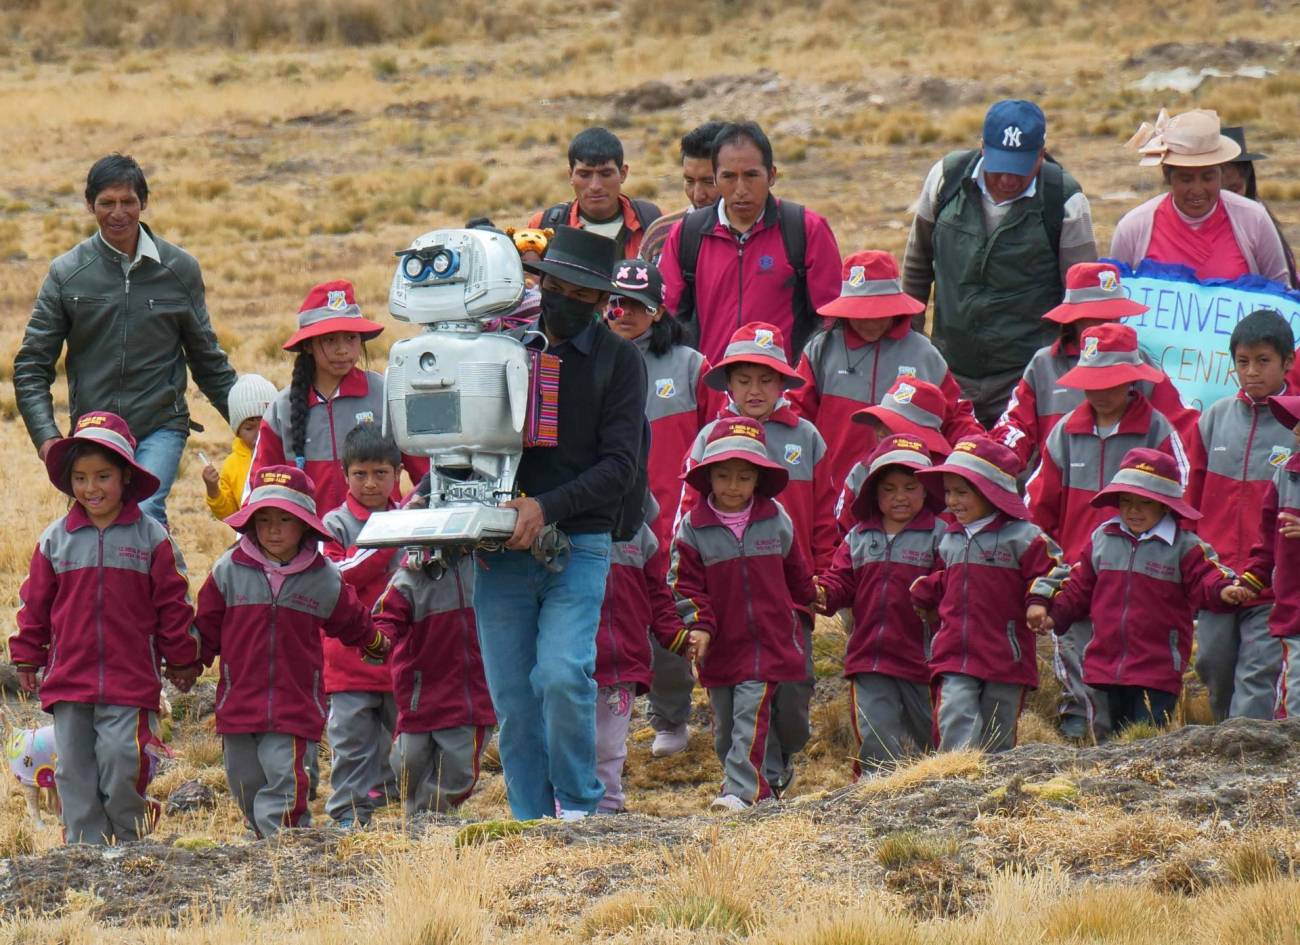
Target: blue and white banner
<point x="1188" y="323"/>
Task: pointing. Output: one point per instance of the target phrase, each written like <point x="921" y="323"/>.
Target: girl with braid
<point x="328" y="396"/>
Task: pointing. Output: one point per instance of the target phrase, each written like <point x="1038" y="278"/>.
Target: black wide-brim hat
<point x="579" y="258"/>
<point x="1238" y="134"/>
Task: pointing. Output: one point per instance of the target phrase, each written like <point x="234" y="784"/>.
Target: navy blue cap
<point x="1014" y="131"/>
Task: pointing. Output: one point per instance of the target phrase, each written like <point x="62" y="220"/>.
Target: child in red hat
<point x="755" y="374"/>
<point x="328" y="396"/>
<point x="263" y="609"/>
<point x="1094" y="296"/>
<point x="107" y="592"/>
<point x="893" y="543"/>
<point x="1244" y="445"/>
<point x="1139" y="578"/>
<point x="1079" y="458"/>
<point x="997" y="572"/>
<point x="1275" y="560"/>
<point x="867" y="345"/>
<point x="737" y="573"/>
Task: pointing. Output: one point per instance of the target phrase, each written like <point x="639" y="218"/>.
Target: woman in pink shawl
<point x="1197" y="223"/>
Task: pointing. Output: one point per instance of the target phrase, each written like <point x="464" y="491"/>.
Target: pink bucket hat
<point x="909" y="452"/>
<point x="331" y="307"/>
<point x="913" y="407"/>
<point x="754" y="343"/>
<point x="738" y="438"/>
<point x="990" y="467"/>
<point x="1093" y="290"/>
<point x="1108" y="357"/>
<point x="1286" y="409"/>
<point x="1152" y="475"/>
<point x="871" y="288"/>
<point x="286" y="488"/>
<point x="111" y="432"/>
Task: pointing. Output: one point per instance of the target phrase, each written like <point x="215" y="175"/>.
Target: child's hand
<point x="377" y="649"/>
<point x="819" y="602"/>
<point x="927" y="616"/>
<point x="1036" y="617"/>
<point x="1237" y="594"/>
<point x="27" y="678"/>
<point x="212" y="480"/>
<point x="183" y="677"/>
<point x="1288" y="524"/>
<point x="697" y="644"/>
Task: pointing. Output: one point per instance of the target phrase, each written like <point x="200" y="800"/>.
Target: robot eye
<point x="441" y="263"/>
<point x="414" y="268"/>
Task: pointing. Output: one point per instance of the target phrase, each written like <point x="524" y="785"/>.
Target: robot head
<point x="456" y="275"/>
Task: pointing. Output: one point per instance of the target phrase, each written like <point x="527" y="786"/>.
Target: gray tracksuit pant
<point x="1288" y="680"/>
<point x="792" y="704"/>
<point x="269" y="778"/>
<point x="1238" y="662"/>
<point x="891" y="718"/>
<point x="360" y="731"/>
<point x="743" y="737"/>
<point x="670" y="689"/>
<point x="613" y="716"/>
<point x="972" y="713"/>
<point x="103" y="769"/>
<point x="1077" y="697"/>
<point x="437" y="770"/>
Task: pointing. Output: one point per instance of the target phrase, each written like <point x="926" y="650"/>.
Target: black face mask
<point x="563" y="317"/>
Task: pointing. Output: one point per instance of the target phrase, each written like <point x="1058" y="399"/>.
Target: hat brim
<point x="998" y="161"/>
<point x="645" y="298"/>
<point x="574" y="275"/>
<point x="1005" y="502"/>
<point x="865" y="504"/>
<point x="1286" y="410"/>
<point x="1109" y="497"/>
<point x="934" y="440"/>
<point x="773" y="479"/>
<point x="1100" y="378"/>
<point x="361" y="326"/>
<point x="244" y="517"/>
<point x="1227" y="152"/>
<point x="142" y="485"/>
<point x="1108" y="309"/>
<point x="872" y="306"/>
<point x="716" y="378"/>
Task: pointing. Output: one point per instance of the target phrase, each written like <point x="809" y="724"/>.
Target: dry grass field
<point x="291" y="142"/>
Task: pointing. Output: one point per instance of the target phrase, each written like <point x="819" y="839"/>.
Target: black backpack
<point x="794" y="236"/>
<point x="558" y="215"/>
<point x="959" y="165"/>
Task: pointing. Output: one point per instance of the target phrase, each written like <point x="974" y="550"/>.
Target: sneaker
<point x="670" y="741"/>
<point x="1074" y="726"/>
<point x="729" y="802"/>
<point x="349" y="823"/>
<point x="571" y="815"/>
<point x="785" y="779"/>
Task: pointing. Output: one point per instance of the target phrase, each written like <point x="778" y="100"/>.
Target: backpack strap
<point x="1052" y="179"/>
<point x="794" y="236"/>
<point x="694" y="226"/>
<point x="557" y="215"/>
<point x="957" y="166"/>
<point x="646" y="212"/>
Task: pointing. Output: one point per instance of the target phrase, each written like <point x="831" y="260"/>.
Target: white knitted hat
<point x="250" y="397"/>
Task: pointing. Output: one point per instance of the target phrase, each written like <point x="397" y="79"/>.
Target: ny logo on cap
<point x="1108" y="281"/>
<point x="857" y="276"/>
<point x="336" y="300"/>
<point x="1089" y="348"/>
<point x="1011" y="137"/>
<point x="763" y="337"/>
<point x="904" y="393"/>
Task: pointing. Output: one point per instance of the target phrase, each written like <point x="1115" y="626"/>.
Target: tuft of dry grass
<point x="967" y="764"/>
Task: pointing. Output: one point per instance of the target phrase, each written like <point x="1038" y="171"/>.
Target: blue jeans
<point x="160" y="453"/>
<point x="537" y="631"/>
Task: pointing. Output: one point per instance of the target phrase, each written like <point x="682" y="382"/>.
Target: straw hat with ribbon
<point x="1190" y="139"/>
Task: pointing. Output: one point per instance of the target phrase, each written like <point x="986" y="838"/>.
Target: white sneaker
<point x="729" y="802"/>
<point x="670" y="742"/>
<point x="565" y="814"/>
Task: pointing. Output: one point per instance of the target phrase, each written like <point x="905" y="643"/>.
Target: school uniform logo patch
<point x="665" y="388"/>
<point x="1089" y="349"/>
<point x="906" y="370"/>
<point x="763" y="337"/>
<point x="904" y="394"/>
<point x="793" y="453"/>
<point x="1279" y="456"/>
<point x="336" y="300"/>
<point x="857" y="276"/>
<point x="366" y="416"/>
<point x="1108" y="281"/>
<point x="765" y="263"/>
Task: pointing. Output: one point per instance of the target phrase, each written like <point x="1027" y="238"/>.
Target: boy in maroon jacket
<point x="893" y="543"/>
<point x="262" y="610"/>
<point x="444" y="712"/>
<point x="1078" y="459"/>
<point x="1275" y="561"/>
<point x="997" y="571"/>
<point x="1139" y="578"/>
<point x="105" y="602"/>
<point x="737" y="573"/>
<point x="362" y="711"/>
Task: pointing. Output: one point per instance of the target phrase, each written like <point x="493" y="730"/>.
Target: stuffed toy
<point x="530" y="241"/>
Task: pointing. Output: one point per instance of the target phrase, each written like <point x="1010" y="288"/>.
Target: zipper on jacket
<point x="99" y="612"/>
<point x="884" y="594"/>
<point x="965" y="603"/>
<point x="1244" y="531"/>
<point x="740" y="283"/>
<point x="1123" y="614"/>
<point x="270" y="652"/>
<point x="126" y="313"/>
<point x="749" y="602"/>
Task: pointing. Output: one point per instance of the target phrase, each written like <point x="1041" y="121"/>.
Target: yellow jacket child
<point x="249" y="398"/>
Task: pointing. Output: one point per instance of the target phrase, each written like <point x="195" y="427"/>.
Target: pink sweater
<point x="1256" y="235"/>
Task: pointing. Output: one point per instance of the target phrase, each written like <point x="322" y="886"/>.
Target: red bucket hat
<point x="990" y="467"/>
<point x="1093" y="290"/>
<point x="755" y="343"/>
<point x="909" y="452"/>
<point x="1108" y="357"/>
<point x="738" y="438"/>
<point x="287" y="488"/>
<point x="1152" y="475"/>
<point x="913" y="407"/>
<point x="871" y="288"/>
<point x="1286" y="409"/>
<point x="331" y="307"/>
<point x="112" y="433"/>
